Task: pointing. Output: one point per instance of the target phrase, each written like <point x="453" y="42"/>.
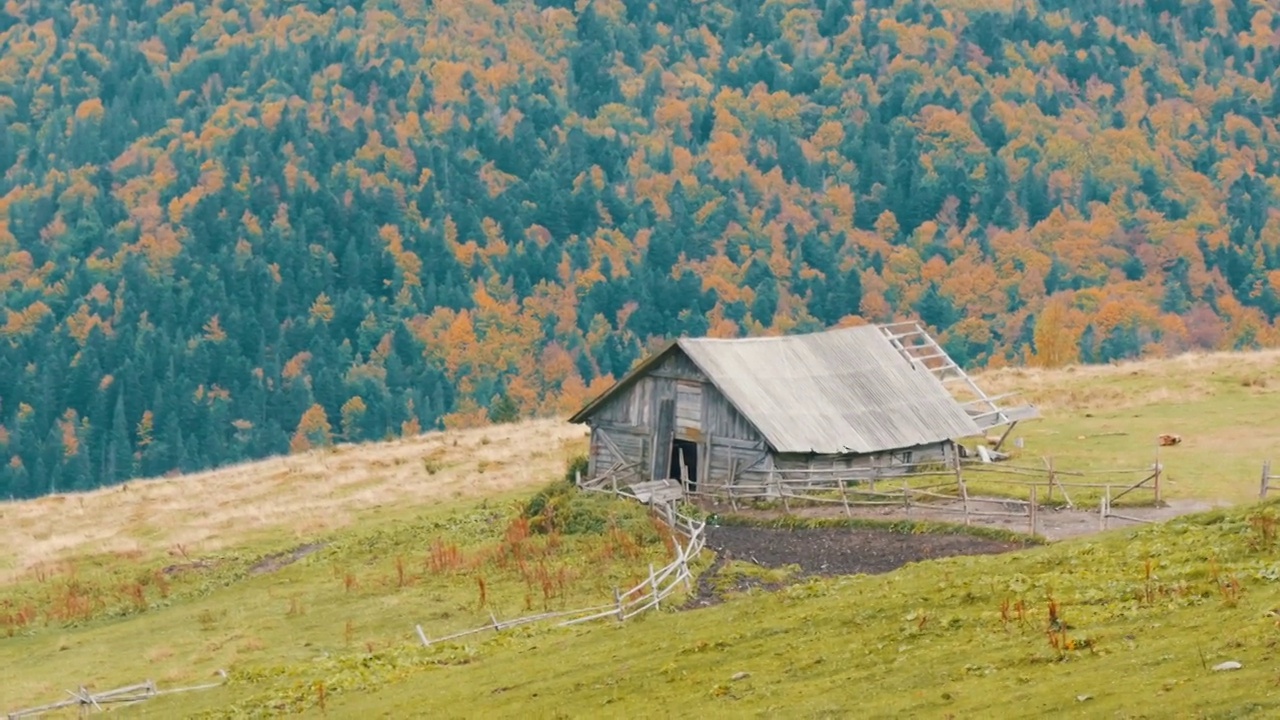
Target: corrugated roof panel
<point x="840" y="391"/>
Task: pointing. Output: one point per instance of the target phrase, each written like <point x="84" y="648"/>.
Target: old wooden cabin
<point x="722" y="411"/>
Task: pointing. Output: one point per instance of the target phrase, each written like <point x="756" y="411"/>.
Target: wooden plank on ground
<point x="656" y="491"/>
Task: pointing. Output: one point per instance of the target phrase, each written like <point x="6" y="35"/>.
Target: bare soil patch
<point x="844" y="551"/>
<point x="193" y="566"/>
<point x="272" y="563"/>
<point x="826" y="551"/>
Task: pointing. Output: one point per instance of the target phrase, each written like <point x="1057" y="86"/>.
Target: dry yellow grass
<point x="304" y="494"/>
<point x="1180" y="379"/>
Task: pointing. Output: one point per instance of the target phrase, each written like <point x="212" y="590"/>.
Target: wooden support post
<point x="577" y="478"/>
<point x="617" y="598"/>
<point x="844" y="497"/>
<point x="1033" y="507"/>
<point x="1005" y="436"/>
<point x="422" y="636"/>
<point x="964" y="491"/>
<point x="733" y="471"/>
<point x="906" y="496"/>
<point x="496" y="626"/>
<point x="1266" y="480"/>
<point x="653" y="583"/>
<point x="655" y="472"/>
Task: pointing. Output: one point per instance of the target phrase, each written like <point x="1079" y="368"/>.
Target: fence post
<point x="653" y="583"/>
<point x="617" y="598"/>
<point x="964" y="491"/>
<point x="577" y="478"/>
<point x="1266" y="480"/>
<point x="1048" y="464"/>
<point x="906" y="496"/>
<point x="422" y="636"/>
<point x="1033" y="506"/>
<point x="844" y="497"/>
<point x="1106" y="508"/>
<point x="1156" y="481"/>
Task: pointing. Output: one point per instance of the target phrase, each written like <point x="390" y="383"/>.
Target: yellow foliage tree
<point x="313" y="430"/>
<point x="352" y="411"/>
<point x="146" y="427"/>
<point x="213" y="331"/>
<point x="1057" y="343"/>
<point x="322" y="309"/>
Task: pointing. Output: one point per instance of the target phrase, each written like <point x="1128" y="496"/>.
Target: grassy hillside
<point x="1142" y="617"/>
<point x="173" y="579"/>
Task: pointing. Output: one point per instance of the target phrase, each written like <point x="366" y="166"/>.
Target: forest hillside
<point x="232" y="229"/>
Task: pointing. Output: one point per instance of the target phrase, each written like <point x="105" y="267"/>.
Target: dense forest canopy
<point x="239" y="227"/>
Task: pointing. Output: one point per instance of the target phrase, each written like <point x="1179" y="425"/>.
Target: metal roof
<point x="840" y="391"/>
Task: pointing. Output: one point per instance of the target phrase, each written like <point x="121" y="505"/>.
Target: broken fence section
<point x="647" y="595"/>
<point x="88" y="701"/>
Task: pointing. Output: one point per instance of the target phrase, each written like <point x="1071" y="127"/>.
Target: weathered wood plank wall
<point x="676" y="400"/>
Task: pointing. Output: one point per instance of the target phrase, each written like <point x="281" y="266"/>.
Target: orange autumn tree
<point x="313" y="431"/>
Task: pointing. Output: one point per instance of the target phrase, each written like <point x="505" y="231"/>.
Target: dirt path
<point x="1051" y="523"/>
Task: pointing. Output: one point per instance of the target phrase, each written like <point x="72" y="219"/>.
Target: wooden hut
<point x="723" y="411"/>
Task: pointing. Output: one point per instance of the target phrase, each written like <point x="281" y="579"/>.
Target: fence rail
<point x="972" y="490"/>
<point x="646" y="595"/>
<point x="87" y="700"/>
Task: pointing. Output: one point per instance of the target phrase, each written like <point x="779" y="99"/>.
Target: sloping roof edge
<point x="625" y="381"/>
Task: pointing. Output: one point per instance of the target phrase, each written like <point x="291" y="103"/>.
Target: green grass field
<point x="332" y="633"/>
<point x="962" y="637"/>
<point x="1226" y="408"/>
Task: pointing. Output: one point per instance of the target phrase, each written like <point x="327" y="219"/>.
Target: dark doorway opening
<point x="688" y="450"/>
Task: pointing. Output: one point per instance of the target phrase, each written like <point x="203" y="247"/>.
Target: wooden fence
<point x="1267" y="477"/>
<point x="971" y="490"/>
<point x="1001" y="478"/>
<point x="86" y="700"/>
<point x="647" y="595"/>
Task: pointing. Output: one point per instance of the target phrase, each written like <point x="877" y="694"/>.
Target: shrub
<point x="578" y="464"/>
<point x="562" y="508"/>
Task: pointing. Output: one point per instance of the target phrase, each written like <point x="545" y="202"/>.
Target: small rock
<point x="740" y="676"/>
<point x="1082" y="698"/>
<point x="1228" y="665"/>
